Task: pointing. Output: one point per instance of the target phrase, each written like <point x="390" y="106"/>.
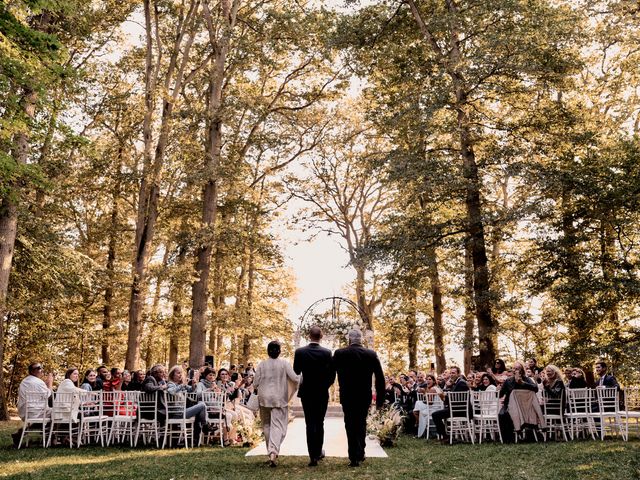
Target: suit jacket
<point x="315" y="364"/>
<point x="276" y="382"/>
<point x="608" y="381"/>
<point x="461" y="385"/>
<point x="355" y="365"/>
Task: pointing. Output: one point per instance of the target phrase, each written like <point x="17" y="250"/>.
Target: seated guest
<point x="177" y="385"/>
<point x="103" y="373"/>
<point x="577" y="379"/>
<point x="155" y="383"/>
<point x="32" y="383"/>
<point x="519" y="381"/>
<point x="435" y="403"/>
<point x="603" y="379"/>
<point x="223" y="380"/>
<point x="455" y="384"/>
<point x="487" y="383"/>
<point x="113" y="381"/>
<point x="553" y="384"/>
<point x="137" y="379"/>
<point x="126" y="380"/>
<point x="532" y="364"/>
<point x="499" y="367"/>
<point x="90" y="382"/>
<point x="207" y="381"/>
<point x="69" y="385"/>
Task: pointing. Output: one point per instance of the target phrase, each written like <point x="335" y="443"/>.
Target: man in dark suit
<point x="314" y="362"/>
<point x="455" y="383"/>
<point x="603" y="379"/>
<point x="355" y="366"/>
<point x="156" y="383"/>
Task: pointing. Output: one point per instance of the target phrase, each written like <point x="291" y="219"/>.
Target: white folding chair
<point x="64" y="416"/>
<point x="580" y="416"/>
<point x="148" y="423"/>
<point x="609" y="412"/>
<point x="177" y="417"/>
<point x="459" y="424"/>
<point x="631" y="409"/>
<point x="216" y="416"/>
<point x="553" y="412"/>
<point x="37" y="416"/>
<point x="91" y="418"/>
<point x="125" y="405"/>
<point x="486" y="406"/>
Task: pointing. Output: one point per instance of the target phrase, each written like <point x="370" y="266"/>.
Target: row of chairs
<point x="584" y="412"/>
<point x="115" y="417"/>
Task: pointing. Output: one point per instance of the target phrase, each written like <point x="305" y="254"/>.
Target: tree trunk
<point x="469" y="309"/>
<point x="200" y="288"/>
<point x="412" y="328"/>
<point x="149" y="193"/>
<point x="436" y="301"/>
<point x="111" y="260"/>
<point x="9" y="229"/>
<point x="361" y="298"/>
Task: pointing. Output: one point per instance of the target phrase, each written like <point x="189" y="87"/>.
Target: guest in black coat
<point x="315" y="364"/>
<point x="355" y="366"/>
<point x="519" y="381"/>
<point x="455" y="383"/>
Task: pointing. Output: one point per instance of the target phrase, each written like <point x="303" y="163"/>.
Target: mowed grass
<point x="411" y="459"/>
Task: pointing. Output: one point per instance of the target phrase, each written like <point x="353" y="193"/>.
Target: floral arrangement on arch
<point x="334" y="328"/>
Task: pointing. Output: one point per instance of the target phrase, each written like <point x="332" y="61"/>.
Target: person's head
<point x="445" y="374"/>
<point x="528" y="372"/>
<point x="552" y="373"/>
<point x="176" y="374"/>
<point x="421" y="377"/>
<point x="518" y="366"/>
<point x="601" y="368"/>
<point x="223" y="375"/>
<point x="577" y="373"/>
<point x="273" y="349"/>
<point x="102" y="371"/>
<point x="430" y="380"/>
<point x="315" y="334"/>
<point x="158" y="372"/>
<point x="454" y="373"/>
<point x="116" y="373"/>
<point x="568" y="372"/>
<point x="532" y="363"/>
<point x="36" y="369"/>
<point x="355" y="337"/>
<point x="413" y="374"/>
<point x="126" y="376"/>
<point x="499" y="366"/>
<point x="139" y="376"/>
<point x="250" y="366"/>
<point x="90" y="376"/>
<point x="232" y="368"/>
<point x="208" y="374"/>
<point x="72" y="374"/>
<point x="487" y="380"/>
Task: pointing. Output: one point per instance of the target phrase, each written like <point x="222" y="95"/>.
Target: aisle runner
<point x="335" y="441"/>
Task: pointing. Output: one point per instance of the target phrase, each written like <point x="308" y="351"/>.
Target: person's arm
<point x="290" y="373"/>
<point x="257" y="377"/>
<point x="332" y="371"/>
<point x="379" y="375"/>
<point x="297" y="362"/>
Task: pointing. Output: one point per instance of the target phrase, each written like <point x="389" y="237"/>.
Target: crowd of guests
<point x="402" y="391"/>
<point x="236" y="382"/>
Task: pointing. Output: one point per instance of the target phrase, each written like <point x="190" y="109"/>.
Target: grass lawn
<point x="412" y="458"/>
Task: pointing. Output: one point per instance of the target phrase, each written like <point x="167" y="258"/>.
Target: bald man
<point x="355" y="366"/>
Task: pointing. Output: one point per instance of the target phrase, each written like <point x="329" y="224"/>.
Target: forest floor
<point x="410" y="459"/>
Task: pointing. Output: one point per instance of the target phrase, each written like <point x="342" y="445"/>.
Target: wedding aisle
<point x="335" y="441"/>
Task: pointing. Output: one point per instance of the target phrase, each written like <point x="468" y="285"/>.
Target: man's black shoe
<point x="313" y="463"/>
<point x="16" y="439"/>
<point x="354" y="464"/>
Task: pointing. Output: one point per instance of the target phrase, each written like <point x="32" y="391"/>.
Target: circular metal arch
<point x="304" y="317"/>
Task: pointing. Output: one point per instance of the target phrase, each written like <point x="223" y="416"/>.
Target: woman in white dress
<point x="423" y="410"/>
<point x="275" y="382"/>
